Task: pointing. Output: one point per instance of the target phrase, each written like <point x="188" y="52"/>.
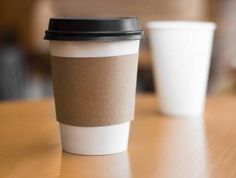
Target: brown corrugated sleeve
<point x="95" y="91"/>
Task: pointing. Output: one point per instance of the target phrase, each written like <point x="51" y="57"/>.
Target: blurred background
<point x="24" y="55"/>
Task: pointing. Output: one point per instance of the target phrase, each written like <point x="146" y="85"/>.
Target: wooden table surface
<point x="159" y="147"/>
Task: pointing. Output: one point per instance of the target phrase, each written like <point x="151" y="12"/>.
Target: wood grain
<point x="160" y="147"/>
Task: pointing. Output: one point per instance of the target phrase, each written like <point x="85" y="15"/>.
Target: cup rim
<point x="181" y="24"/>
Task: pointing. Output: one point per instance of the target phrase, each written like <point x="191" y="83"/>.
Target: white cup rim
<point x="207" y="25"/>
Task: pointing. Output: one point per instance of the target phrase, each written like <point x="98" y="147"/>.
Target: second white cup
<point x="181" y="53"/>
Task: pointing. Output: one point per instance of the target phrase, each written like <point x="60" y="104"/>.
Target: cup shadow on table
<point x="115" y="165"/>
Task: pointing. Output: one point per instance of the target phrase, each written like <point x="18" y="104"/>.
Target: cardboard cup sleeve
<point x="93" y="91"/>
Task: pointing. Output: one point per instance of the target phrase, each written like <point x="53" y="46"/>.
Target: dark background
<point x="24" y="55"/>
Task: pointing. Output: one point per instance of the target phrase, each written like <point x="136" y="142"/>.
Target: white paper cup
<point x="94" y="68"/>
<point x="181" y="53"/>
<point x="100" y="140"/>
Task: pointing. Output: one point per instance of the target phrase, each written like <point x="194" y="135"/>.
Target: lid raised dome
<point x="77" y="29"/>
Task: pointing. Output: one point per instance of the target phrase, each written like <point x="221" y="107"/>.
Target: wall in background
<point x="29" y="18"/>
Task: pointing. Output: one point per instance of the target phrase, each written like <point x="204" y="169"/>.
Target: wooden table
<point x="160" y="147"/>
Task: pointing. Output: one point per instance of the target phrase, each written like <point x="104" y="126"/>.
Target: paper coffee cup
<point x="94" y="67"/>
<point x="181" y="53"/>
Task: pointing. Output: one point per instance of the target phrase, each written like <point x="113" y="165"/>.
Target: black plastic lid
<point x="105" y="29"/>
